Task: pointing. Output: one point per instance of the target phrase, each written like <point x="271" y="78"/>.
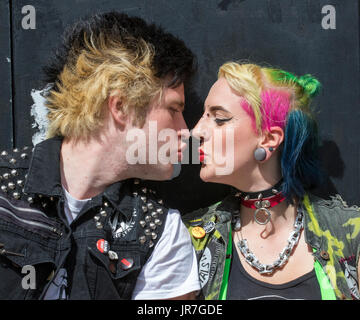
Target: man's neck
<point x="87" y="168"/>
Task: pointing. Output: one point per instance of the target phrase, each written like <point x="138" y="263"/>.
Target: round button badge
<point x="102" y="245"/>
<point x="198" y="232"/>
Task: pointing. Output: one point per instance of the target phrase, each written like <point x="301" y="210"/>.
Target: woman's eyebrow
<point x="213" y="109"/>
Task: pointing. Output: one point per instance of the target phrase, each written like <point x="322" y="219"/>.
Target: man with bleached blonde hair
<point x="77" y="210"/>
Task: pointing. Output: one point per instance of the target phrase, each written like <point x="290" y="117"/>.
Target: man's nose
<point x="183" y="130"/>
<point x="182" y="124"/>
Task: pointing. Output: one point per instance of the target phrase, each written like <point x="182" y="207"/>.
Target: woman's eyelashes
<point x="221" y="121"/>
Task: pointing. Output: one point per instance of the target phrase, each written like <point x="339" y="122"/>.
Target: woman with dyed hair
<point x="271" y="239"/>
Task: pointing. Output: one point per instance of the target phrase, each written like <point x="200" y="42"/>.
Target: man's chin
<point x="176" y="170"/>
<point x="163" y="172"/>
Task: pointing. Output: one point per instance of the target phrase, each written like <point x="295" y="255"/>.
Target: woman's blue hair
<point x="299" y="160"/>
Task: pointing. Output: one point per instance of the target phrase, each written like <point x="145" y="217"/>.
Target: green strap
<point x="224" y="285"/>
<point x="327" y="291"/>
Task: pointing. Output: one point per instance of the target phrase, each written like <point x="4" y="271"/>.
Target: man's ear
<point x="272" y="139"/>
<point x="116" y="109"/>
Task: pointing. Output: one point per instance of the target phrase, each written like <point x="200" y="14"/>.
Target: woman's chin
<point x="207" y="173"/>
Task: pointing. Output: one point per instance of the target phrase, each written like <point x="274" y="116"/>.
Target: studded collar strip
<point x="266" y="202"/>
<point x="261" y="194"/>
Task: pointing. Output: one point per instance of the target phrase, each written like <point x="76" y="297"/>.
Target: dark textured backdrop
<point x="282" y="33"/>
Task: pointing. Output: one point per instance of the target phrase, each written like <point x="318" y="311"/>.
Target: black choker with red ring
<point x="262" y="201"/>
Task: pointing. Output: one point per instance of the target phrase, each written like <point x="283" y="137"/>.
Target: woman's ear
<point x="116" y="109"/>
<point x="272" y="139"/>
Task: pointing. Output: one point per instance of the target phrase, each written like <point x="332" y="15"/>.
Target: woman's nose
<point x="198" y="131"/>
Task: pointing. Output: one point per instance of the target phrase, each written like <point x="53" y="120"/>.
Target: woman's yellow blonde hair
<point x="254" y="83"/>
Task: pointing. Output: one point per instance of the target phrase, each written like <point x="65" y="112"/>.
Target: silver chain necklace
<point x="284" y="255"/>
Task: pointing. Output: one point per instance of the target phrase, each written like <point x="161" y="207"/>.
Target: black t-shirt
<point x="242" y="286"/>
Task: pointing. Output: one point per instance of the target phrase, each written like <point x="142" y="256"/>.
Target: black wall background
<point x="282" y="33"/>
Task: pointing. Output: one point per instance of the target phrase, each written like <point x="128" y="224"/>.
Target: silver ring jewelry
<point x="268" y="215"/>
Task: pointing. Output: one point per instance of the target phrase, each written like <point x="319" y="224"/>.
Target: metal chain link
<point x="284" y="255"/>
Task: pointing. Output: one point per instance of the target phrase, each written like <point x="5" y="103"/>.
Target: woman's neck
<point x="282" y="218"/>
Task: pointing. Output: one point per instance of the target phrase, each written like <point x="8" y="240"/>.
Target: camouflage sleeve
<point x="351" y="225"/>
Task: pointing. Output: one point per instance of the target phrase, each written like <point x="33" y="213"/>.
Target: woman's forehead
<point x="221" y="94"/>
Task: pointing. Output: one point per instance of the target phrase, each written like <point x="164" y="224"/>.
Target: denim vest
<point x="102" y="251"/>
<point x="332" y="229"/>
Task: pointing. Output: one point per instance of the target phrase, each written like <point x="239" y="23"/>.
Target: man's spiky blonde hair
<point x="111" y="54"/>
<point x="103" y="69"/>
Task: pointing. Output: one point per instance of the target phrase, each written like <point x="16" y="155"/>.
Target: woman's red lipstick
<point x="201" y="155"/>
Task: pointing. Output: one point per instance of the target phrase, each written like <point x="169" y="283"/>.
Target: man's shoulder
<point x="14" y="165"/>
<point x="16" y="158"/>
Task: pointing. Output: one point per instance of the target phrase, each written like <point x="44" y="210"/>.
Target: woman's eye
<point x="221" y="121"/>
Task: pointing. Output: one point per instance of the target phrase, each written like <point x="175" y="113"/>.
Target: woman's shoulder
<point x="222" y="210"/>
<point x="332" y="214"/>
<point x="200" y="215"/>
<point x="334" y="207"/>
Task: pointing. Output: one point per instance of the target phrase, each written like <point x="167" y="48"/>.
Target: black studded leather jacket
<point x="102" y="251"/>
